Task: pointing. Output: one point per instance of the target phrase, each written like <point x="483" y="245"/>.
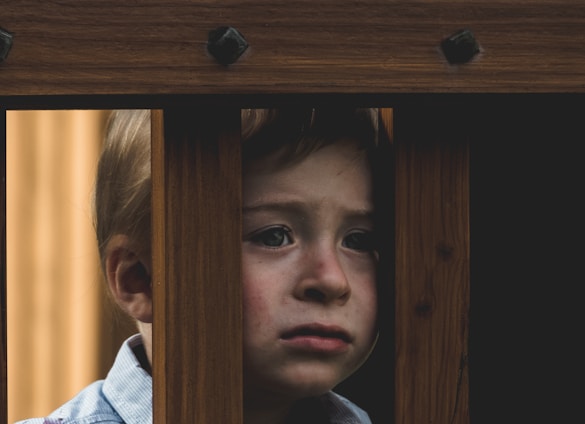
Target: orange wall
<point x="56" y="303"/>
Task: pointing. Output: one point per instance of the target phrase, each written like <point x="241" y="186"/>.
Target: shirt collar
<point x="128" y="387"/>
<point x="343" y="411"/>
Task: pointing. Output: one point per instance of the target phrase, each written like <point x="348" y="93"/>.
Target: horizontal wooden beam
<point x="326" y="46"/>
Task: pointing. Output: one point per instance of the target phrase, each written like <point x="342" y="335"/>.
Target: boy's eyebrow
<point x="284" y="206"/>
<point x="301" y="208"/>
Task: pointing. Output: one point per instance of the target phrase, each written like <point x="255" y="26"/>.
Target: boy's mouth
<point x="319" y="331"/>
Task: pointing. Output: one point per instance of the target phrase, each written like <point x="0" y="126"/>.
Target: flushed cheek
<point x="256" y="309"/>
<point x="264" y="283"/>
<point x="260" y="304"/>
<point x="365" y="310"/>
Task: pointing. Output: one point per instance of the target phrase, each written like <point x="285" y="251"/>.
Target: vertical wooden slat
<point x="3" y="338"/>
<point x="432" y="266"/>
<point x="196" y="266"/>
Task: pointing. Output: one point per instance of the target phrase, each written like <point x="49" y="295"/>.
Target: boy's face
<point x="309" y="273"/>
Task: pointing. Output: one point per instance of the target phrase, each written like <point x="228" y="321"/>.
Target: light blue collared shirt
<point x="125" y="397"/>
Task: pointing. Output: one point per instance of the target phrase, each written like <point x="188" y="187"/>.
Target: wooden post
<point x="432" y="266"/>
<point x="197" y="340"/>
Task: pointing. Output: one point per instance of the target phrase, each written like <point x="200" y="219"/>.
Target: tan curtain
<point x="60" y="332"/>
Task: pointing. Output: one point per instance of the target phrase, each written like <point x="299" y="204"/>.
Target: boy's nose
<point x="323" y="278"/>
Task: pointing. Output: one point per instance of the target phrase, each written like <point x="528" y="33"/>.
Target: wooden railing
<point x="107" y="54"/>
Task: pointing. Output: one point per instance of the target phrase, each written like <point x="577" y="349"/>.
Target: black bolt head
<point x="460" y="47"/>
<point x="226" y="44"/>
<point x="5" y="43"/>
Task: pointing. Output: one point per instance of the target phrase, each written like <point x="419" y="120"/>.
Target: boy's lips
<point x="319" y="330"/>
<point x="317" y="338"/>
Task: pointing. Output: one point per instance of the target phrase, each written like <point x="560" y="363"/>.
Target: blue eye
<point x="361" y="241"/>
<point x="273" y="237"/>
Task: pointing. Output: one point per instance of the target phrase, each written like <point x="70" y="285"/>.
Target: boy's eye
<point x="273" y="237"/>
<point x="360" y="240"/>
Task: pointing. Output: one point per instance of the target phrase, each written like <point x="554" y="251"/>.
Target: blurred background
<point x="56" y="293"/>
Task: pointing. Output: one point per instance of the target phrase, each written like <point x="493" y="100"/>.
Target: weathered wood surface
<point x="432" y="286"/>
<point x="108" y="47"/>
<point x="197" y="341"/>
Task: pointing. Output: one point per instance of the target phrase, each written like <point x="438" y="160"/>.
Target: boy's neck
<point x="265" y="415"/>
<point x="146" y="332"/>
<point x="265" y="410"/>
<point x="140" y="353"/>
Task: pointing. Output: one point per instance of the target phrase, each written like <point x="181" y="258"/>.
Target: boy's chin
<point x="284" y="395"/>
<point x="300" y="387"/>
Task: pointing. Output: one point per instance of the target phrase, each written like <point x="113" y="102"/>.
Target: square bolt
<point x="226" y="44"/>
<point x="460" y="47"/>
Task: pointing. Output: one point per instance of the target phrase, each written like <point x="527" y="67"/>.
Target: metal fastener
<point x="226" y="44"/>
<point x="460" y="47"/>
<point x="5" y="44"/>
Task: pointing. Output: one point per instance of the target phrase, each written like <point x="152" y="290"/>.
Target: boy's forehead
<point x="341" y="171"/>
<point x="292" y="154"/>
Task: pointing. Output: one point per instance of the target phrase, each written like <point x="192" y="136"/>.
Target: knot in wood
<point x="444" y="251"/>
<point x="423" y="309"/>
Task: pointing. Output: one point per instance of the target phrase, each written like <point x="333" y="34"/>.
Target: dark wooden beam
<point x="432" y="284"/>
<point x="328" y="46"/>
<point x="197" y="341"/>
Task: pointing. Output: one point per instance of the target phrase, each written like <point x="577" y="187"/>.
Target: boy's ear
<point x="128" y="277"/>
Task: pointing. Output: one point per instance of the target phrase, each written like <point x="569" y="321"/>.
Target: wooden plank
<point x="432" y="266"/>
<point x="197" y="341"/>
<point x="109" y="47"/>
<point x="3" y="336"/>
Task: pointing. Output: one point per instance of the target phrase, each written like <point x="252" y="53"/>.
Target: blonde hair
<point x="122" y="189"/>
<point x="297" y="132"/>
<point x="122" y="192"/>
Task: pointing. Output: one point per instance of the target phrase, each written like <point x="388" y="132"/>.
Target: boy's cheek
<point x="259" y="290"/>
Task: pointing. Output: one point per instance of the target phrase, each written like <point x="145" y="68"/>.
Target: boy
<point x="309" y="262"/>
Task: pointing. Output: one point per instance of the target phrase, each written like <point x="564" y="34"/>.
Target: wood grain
<point x="432" y="284"/>
<point x="108" y="47"/>
<point x="196" y="264"/>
